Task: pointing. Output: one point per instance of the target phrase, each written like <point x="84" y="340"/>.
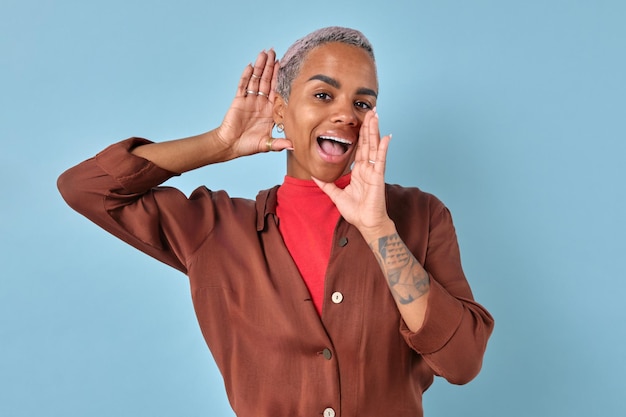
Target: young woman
<point x="331" y="294"/>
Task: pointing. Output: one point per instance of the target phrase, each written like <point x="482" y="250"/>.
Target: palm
<point x="362" y="202"/>
<point x="248" y="124"/>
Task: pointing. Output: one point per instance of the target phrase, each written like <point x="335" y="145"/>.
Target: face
<point x="329" y="98"/>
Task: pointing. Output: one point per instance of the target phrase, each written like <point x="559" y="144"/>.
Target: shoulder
<point x="404" y="198"/>
<point x="419" y="217"/>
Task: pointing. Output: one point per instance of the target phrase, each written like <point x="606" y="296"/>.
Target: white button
<point x="337" y="297"/>
<point x="329" y="412"/>
<point x="327" y="354"/>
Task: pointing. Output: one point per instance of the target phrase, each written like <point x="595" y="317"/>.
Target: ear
<point x="278" y="110"/>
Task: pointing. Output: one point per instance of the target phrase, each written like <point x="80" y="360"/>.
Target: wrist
<point x="385" y="228"/>
<point x="217" y="148"/>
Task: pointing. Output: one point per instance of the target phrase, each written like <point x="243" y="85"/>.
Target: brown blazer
<point x="278" y="357"/>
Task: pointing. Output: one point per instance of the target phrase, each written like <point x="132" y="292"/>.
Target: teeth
<point x="340" y="140"/>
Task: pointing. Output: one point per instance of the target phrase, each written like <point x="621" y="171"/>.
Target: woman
<point x="332" y="294"/>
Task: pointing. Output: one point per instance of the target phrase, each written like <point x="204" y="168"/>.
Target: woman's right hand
<point x="247" y="126"/>
<point x="245" y="130"/>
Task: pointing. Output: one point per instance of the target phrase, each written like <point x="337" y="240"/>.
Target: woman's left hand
<point x="362" y="203"/>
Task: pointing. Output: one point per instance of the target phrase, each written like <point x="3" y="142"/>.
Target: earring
<point x="280" y="128"/>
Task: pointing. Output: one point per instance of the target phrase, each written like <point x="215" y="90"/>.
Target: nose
<point x="344" y="112"/>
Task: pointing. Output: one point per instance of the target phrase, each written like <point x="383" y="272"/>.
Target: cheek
<point x="299" y="124"/>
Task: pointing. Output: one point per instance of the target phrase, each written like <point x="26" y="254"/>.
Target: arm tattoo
<point x="407" y="279"/>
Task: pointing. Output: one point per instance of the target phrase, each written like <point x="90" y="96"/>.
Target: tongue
<point x="332" y="148"/>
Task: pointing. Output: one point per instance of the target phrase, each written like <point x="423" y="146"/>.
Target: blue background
<point x="512" y="112"/>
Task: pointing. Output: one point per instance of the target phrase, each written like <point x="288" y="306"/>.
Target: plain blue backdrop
<point x="512" y="112"/>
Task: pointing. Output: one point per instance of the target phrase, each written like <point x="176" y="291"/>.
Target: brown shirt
<point x="278" y="357"/>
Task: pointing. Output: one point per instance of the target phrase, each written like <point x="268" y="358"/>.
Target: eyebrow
<point x="331" y="81"/>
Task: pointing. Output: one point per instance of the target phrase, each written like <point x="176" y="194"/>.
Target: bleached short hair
<point x="291" y="62"/>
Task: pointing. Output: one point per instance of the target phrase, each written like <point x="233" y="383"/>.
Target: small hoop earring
<point x="280" y="128"/>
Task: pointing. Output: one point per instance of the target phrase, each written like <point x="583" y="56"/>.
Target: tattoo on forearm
<point x="407" y="279"/>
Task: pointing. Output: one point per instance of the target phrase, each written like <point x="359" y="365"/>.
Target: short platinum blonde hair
<point x="291" y="62"/>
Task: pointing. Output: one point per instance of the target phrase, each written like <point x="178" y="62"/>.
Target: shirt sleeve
<point x="120" y="192"/>
<point x="453" y="338"/>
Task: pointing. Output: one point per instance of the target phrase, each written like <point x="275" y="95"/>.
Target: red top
<point x="307" y="223"/>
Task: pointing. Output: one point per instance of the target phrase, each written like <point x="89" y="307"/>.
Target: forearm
<point x="408" y="282"/>
<point x="186" y="154"/>
<point x="115" y="190"/>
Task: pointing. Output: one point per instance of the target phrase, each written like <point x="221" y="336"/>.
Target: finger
<point x="265" y="82"/>
<point x="257" y="73"/>
<point x="274" y="82"/>
<point x="381" y="154"/>
<point x="243" y="81"/>
<point x="362" y="154"/>
<point x="374" y="137"/>
<point x="278" y="144"/>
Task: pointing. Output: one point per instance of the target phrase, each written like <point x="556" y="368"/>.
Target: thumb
<point x="280" y="144"/>
<point x="329" y="188"/>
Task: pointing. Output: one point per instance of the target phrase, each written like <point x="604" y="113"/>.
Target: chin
<point x="331" y="176"/>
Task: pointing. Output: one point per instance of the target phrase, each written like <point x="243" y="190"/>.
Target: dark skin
<point x="334" y="97"/>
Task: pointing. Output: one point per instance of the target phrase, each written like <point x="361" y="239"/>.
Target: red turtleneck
<point x="307" y="220"/>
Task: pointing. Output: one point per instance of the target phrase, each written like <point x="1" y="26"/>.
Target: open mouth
<point x="331" y="145"/>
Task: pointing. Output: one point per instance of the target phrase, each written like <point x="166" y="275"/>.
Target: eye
<point x="363" y="105"/>
<point x="323" y="96"/>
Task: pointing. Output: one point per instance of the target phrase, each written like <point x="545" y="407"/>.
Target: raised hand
<point x="247" y="126"/>
<point x="245" y="130"/>
<point x="362" y="203"/>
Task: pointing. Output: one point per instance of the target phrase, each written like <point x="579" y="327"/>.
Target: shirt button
<point x="337" y="297"/>
<point x="343" y="241"/>
<point x="327" y="354"/>
<point x="329" y="412"/>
